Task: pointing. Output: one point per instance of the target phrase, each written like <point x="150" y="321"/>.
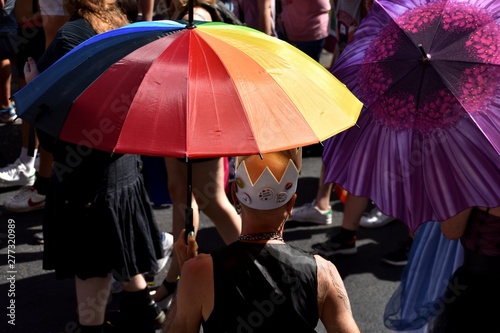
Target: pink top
<point x="305" y="20"/>
<point x="248" y="12"/>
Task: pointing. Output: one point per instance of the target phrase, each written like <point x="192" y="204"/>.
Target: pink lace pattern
<point x="402" y="108"/>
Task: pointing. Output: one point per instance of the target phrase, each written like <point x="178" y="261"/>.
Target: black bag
<point x="226" y="15"/>
<point x="218" y="12"/>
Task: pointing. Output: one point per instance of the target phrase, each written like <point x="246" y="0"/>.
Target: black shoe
<point x="400" y="256"/>
<point x="336" y="245"/>
<point x="136" y="318"/>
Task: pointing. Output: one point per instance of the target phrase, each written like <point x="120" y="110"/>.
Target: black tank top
<point x="263" y="288"/>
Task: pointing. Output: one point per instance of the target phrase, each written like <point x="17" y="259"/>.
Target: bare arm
<point x="194" y="298"/>
<point x="185" y="315"/>
<point x="265" y="17"/>
<point x="147" y="9"/>
<point x="333" y="302"/>
<point x="454" y="227"/>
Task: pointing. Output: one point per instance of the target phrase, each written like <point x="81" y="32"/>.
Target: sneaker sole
<point x="30" y="182"/>
<point x="374" y="225"/>
<point x="309" y="221"/>
<point x="394" y="263"/>
<point x="24" y="209"/>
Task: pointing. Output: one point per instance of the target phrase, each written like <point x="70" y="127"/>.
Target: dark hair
<point x="129" y="8"/>
<point x="217" y="9"/>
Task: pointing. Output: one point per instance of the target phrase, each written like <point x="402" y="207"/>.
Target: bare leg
<point x="147" y="9"/>
<point x="136" y="283"/>
<point x="177" y="187"/>
<point x="46" y="160"/>
<point x="92" y="297"/>
<point x="353" y="210"/>
<point x="324" y="191"/>
<point x="208" y="187"/>
<point x="5" y="83"/>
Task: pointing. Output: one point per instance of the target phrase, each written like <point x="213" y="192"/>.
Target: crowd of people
<point x="217" y="291"/>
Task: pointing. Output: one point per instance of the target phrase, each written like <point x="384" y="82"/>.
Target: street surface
<point x="43" y="304"/>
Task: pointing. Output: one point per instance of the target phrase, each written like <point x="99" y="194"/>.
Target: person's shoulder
<point x="75" y="32"/>
<point x="77" y="23"/>
<point x="198" y="271"/>
<point x="199" y="263"/>
<point x="326" y="269"/>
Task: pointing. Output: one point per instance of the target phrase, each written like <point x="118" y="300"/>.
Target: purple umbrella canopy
<point x="427" y="145"/>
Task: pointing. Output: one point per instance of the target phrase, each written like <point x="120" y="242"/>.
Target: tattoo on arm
<point x="332" y="275"/>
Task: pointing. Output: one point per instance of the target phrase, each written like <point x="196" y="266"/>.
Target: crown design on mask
<point x="267" y="192"/>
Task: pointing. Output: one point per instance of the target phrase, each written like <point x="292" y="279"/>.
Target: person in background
<point x="98" y="221"/>
<point x="431" y="262"/>
<point x="464" y="303"/>
<point x="347" y="15"/>
<point x="8" y="50"/>
<point x="22" y="172"/>
<point x="257" y="14"/>
<point x="304" y="24"/>
<point x="146" y="9"/>
<point x="31" y="43"/>
<point x="259" y="283"/>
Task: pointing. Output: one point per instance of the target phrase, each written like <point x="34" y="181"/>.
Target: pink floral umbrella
<point x="428" y="142"/>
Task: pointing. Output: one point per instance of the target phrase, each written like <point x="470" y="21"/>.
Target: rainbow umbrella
<point x="162" y="88"/>
<point x="167" y="88"/>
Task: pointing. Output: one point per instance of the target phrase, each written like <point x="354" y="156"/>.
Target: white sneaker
<point x="375" y="219"/>
<point x="310" y="213"/>
<point x="167" y="240"/>
<point x="16" y="174"/>
<point x="25" y="200"/>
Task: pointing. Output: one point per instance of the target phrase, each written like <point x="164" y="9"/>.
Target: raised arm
<point x="333" y="301"/>
<point x="454" y="227"/>
<point x="265" y="16"/>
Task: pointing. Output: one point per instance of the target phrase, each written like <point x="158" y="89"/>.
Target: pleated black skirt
<point x="98" y="220"/>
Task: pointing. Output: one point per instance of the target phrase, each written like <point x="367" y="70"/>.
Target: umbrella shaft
<point x="189" y="208"/>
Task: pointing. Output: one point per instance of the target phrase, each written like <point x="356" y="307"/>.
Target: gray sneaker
<point x="8" y="115"/>
<point x="310" y="213"/>
<point x="375" y="219"/>
<point x="17" y="174"/>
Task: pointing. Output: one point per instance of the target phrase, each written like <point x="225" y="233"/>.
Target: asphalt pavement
<point x="34" y="301"/>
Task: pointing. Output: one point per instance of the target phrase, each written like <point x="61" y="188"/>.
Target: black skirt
<point x="98" y="220"/>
